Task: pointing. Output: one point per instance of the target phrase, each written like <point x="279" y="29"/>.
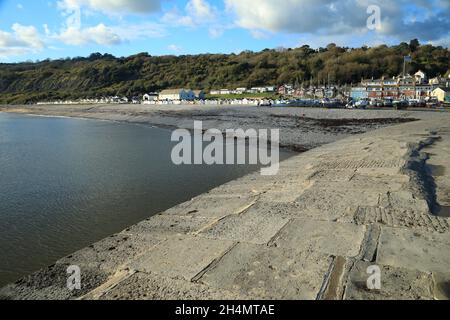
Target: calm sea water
<point x="66" y="183"/>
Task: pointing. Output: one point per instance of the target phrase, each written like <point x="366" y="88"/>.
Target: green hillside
<point x="99" y="75"/>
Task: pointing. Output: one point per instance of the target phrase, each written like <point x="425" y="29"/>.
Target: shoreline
<point x="301" y="129"/>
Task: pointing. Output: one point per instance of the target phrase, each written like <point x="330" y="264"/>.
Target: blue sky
<point x="40" y="29"/>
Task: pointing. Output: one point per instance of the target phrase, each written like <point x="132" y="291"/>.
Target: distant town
<point x="405" y="89"/>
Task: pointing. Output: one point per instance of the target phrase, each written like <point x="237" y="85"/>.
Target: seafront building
<point x="401" y="87"/>
<point x="176" y="95"/>
<point x="442" y="94"/>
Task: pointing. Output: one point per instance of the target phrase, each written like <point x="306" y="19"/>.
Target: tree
<point x="414" y="45"/>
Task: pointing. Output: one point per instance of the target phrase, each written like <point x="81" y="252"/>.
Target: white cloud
<point x="297" y="16"/>
<point x="113" y="6"/>
<point x="216" y="31"/>
<point x="22" y="39"/>
<point x="201" y="11"/>
<point x="173" y="18"/>
<point x="174" y="47"/>
<point x="29" y="35"/>
<point x="343" y="17"/>
<point x="99" y="34"/>
<point x="140" y="31"/>
<point x="198" y="12"/>
<point x="109" y="36"/>
<point x="76" y="34"/>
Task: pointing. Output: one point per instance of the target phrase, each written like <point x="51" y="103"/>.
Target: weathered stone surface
<point x="113" y="252"/>
<point x="333" y="238"/>
<point x="401" y="218"/>
<point x="357" y="164"/>
<point x="260" y="272"/>
<point x="441" y="286"/>
<point x="286" y="193"/>
<point x="378" y="183"/>
<point x="148" y="286"/>
<point x="326" y="202"/>
<point x="403" y="200"/>
<point x="396" y="284"/>
<point x="213" y="206"/>
<point x="51" y="284"/>
<point x="256" y="227"/>
<point x="339" y="175"/>
<point x="164" y="224"/>
<point x="424" y="251"/>
<point x="181" y="257"/>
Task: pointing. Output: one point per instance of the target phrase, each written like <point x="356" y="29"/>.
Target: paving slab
<point x="181" y="257"/>
<point x="215" y="207"/>
<point x="339" y="175"/>
<point x="326" y="202"/>
<point x="149" y="286"/>
<point x="164" y="224"/>
<point x="339" y="239"/>
<point x="255" y="226"/>
<point x="396" y="284"/>
<point x="441" y="286"/>
<point x="51" y="284"/>
<point x="403" y="200"/>
<point x="412" y="219"/>
<point x="113" y="252"/>
<point x="410" y="249"/>
<point x="261" y="272"/>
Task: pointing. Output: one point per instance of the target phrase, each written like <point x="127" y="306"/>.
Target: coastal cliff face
<point x="310" y="232"/>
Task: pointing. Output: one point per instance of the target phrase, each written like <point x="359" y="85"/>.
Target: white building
<point x="259" y="89"/>
<point x="149" y="98"/>
<point x="421" y="77"/>
<point x="176" y="94"/>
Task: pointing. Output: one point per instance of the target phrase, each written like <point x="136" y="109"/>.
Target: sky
<point x="41" y="29"/>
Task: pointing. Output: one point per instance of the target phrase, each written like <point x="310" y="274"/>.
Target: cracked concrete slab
<point x="181" y="257"/>
<point x="326" y="202"/>
<point x="254" y="226"/>
<point x="403" y="199"/>
<point x="260" y="272"/>
<point x="214" y="207"/>
<point x="149" y="286"/>
<point x="396" y="284"/>
<point x="164" y="224"/>
<point x="424" y="251"/>
<point x="342" y="239"/>
<point x="399" y="218"/>
<point x="113" y="252"/>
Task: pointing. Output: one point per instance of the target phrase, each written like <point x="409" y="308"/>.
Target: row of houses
<point x="103" y="100"/>
<point x="174" y="95"/>
<point x="401" y="87"/>
<point x="311" y="92"/>
<point x="253" y="90"/>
